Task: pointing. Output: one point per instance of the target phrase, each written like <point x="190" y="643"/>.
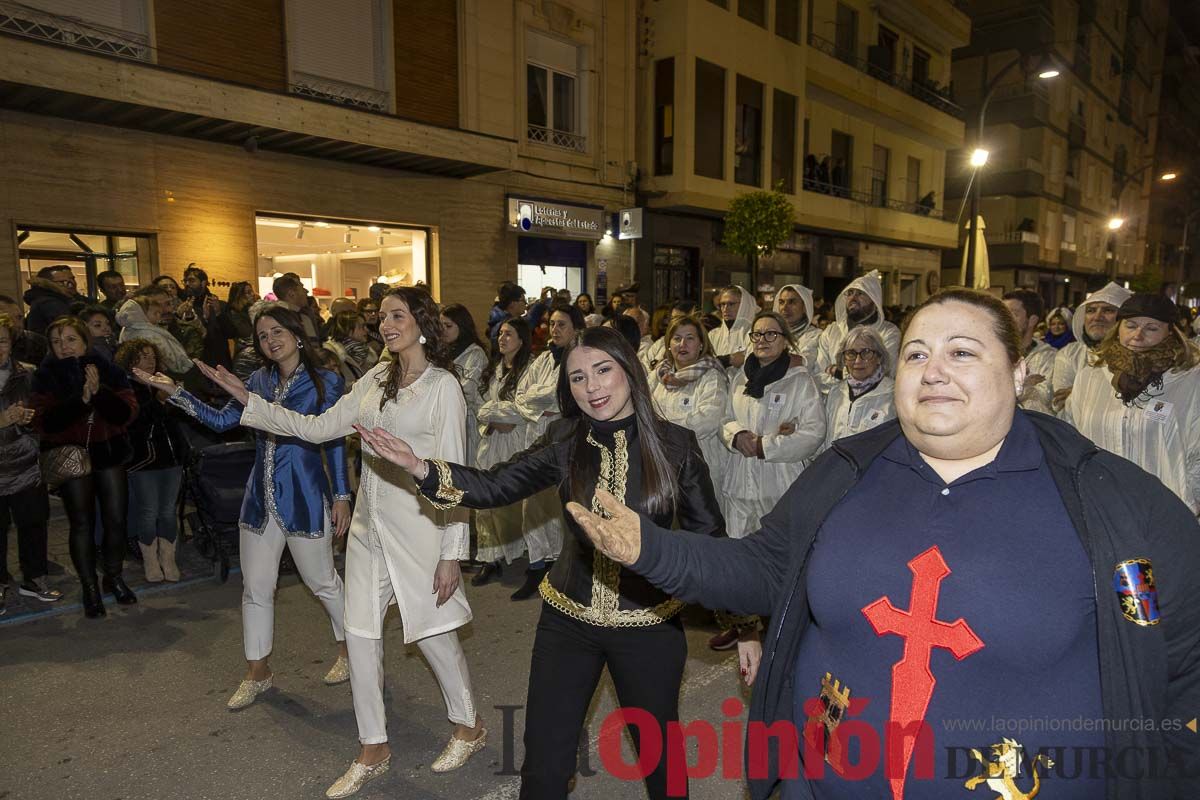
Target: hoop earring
<point x="422" y="339"/>
<point x="299" y="345"/>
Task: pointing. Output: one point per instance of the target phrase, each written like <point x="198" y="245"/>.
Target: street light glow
<point x="979" y="157"/>
<point x="1048" y="74"/>
<point x="1168" y="176"/>
<point x="1115" y="223"/>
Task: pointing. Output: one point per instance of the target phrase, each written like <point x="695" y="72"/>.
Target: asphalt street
<point x="132" y="707"/>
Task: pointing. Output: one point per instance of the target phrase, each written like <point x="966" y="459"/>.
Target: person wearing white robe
<point x="1093" y="319"/>
<point x="860" y="303"/>
<point x="399" y="544"/>
<point x="1028" y="309"/>
<point x="690" y="389"/>
<point x="795" y="304"/>
<point x="736" y="308"/>
<point x="504" y="433"/>
<point x="460" y="335"/>
<point x="1149" y="415"/>
<point x="865" y="398"/>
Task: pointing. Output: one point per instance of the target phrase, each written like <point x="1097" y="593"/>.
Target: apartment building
<point x="843" y="104"/>
<point x="1068" y="154"/>
<point x="455" y="143"/>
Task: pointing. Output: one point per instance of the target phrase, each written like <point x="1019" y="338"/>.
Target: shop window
<point x="555" y="263"/>
<point x="87" y="253"/>
<point x="710" y="120"/>
<point x="753" y="11"/>
<point x="664" y="116"/>
<point x="337" y="51"/>
<point x="747" y="145"/>
<point x="552" y="93"/>
<point x="783" y="142"/>
<point x="787" y="19"/>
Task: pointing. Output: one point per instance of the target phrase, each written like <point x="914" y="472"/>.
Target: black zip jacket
<point x="1119" y="511"/>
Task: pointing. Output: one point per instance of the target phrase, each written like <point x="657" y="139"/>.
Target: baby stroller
<point x="214" y="484"/>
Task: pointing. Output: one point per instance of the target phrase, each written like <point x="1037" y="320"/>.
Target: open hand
<point x="17" y="414"/>
<point x="222" y="377"/>
<point x="446" y="579"/>
<point x="749" y="649"/>
<point x="91" y="382"/>
<point x="391" y="448"/>
<point x="620" y="536"/>
<point x="158" y="380"/>
<point x="340" y="515"/>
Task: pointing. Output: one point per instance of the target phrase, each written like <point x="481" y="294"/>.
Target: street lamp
<point x="1115" y="223"/>
<point x="978" y="161"/>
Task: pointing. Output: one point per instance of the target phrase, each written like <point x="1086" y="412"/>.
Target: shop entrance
<point x="87" y="253"/>
<point x="551" y="263"/>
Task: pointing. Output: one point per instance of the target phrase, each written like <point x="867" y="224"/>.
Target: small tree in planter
<point x="756" y="224"/>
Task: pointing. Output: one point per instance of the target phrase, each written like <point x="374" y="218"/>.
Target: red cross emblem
<point x="912" y="680"/>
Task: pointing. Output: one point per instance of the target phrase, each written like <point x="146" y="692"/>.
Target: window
<point x="664" y="117"/>
<point x="846" y="32"/>
<point x="87" y="253"/>
<point x="783" y="141"/>
<point x="883" y="55"/>
<point x="787" y="19"/>
<point x="912" y="185"/>
<point x="709" y="130"/>
<point x="747" y="143"/>
<point x="753" y="11"/>
<point x="336" y="51"/>
<point x="879" y="176"/>
<point x="841" y="156"/>
<point x="552" y="106"/>
<point x="920" y="74"/>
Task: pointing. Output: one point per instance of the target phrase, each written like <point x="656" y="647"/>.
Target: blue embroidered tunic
<point x="286" y="470"/>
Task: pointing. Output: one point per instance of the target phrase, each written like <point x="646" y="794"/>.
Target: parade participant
<point x="736" y="308"/>
<point x="690" y="389"/>
<point x="594" y="614"/>
<point x="1058" y="328"/>
<point x="657" y="352"/>
<point x="860" y="303"/>
<point x="144" y="316"/>
<point x="83" y="402"/>
<point x="289" y="500"/>
<point x="505" y="433"/>
<point x="537" y="397"/>
<point x="399" y="545"/>
<point x="795" y="304"/>
<point x="1028" y="308"/>
<point x="904" y="552"/>
<point x="1139" y="395"/>
<point x="469" y="356"/>
<point x="864" y="399"/>
<point x="1093" y="319"/>
<point x="775" y="423"/>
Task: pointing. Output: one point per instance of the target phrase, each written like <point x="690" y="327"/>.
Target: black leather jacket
<point x="18" y="444"/>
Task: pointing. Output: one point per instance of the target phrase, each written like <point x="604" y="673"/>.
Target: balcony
<point x="1071" y="194"/>
<point x="335" y="91"/>
<point x="563" y="139"/>
<point x="928" y="92"/>
<point x="1067" y="255"/>
<point x="21" y="20"/>
<point x="1023" y="104"/>
<point x="1014" y="248"/>
<point x="875" y="199"/>
<point x="1076" y="130"/>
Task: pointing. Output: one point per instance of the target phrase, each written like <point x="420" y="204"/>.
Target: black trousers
<point x="30" y="510"/>
<point x="646" y="665"/>
<point x="110" y="487"/>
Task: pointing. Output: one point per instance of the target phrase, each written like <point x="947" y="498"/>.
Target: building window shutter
<point x="337" y="51"/>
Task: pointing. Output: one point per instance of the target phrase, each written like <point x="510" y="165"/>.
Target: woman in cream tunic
<point x="399" y="545"/>
<point x="466" y="348"/>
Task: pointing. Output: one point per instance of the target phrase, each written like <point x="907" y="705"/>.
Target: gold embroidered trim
<point x="604" y="609"/>
<point x="449" y="494"/>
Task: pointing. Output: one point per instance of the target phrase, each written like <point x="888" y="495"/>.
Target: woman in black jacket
<point x="594" y="612"/>
<point x="1047" y="581"/>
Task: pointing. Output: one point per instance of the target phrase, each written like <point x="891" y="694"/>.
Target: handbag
<point x="68" y="462"/>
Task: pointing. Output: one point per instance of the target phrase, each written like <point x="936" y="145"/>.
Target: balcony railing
<point x="870" y="199"/>
<point x="927" y="92"/>
<point x="554" y="138"/>
<point x="347" y="94"/>
<point x="22" y="20"/>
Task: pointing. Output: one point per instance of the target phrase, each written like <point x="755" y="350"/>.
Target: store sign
<point x="555" y="219"/>
<point x="630" y="223"/>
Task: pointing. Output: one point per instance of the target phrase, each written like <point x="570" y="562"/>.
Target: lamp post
<point x="1027" y="62"/>
<point x="1120" y="182"/>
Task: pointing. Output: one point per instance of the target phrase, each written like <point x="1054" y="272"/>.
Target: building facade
<point x="843" y="105"/>
<point x="1068" y="153"/>
<point x="459" y="144"/>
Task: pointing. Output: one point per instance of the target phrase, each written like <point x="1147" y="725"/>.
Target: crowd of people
<point x="430" y="444"/>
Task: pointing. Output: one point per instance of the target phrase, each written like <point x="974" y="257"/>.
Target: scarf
<point x="758" y="377"/>
<point x="797" y="330"/>
<point x="556" y="352"/>
<point x="688" y="374"/>
<point x="859" y="388"/>
<point x="1133" y="372"/>
<point x="1060" y="341"/>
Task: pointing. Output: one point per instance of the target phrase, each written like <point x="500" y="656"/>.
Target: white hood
<point x="806" y="297"/>
<point x="871" y="285"/>
<point x="1063" y="312"/>
<point x="748" y="308"/>
<point x="1114" y="294"/>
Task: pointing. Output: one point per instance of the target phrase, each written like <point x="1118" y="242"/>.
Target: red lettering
<point x="678" y="768"/>
<point x="649" y="740"/>
<point x="758" y="755"/>
<point x="914" y="738"/>
<point x="868" y="749"/>
<point x="731" y="739"/>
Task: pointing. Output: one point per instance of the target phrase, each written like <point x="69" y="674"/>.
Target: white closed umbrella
<point x="983" y="278"/>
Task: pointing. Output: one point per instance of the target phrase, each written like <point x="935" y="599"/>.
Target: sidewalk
<point x="193" y="567"/>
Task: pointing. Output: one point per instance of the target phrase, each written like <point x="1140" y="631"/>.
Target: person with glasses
<point x="865" y="398"/>
<point x="774" y="423"/>
<point x="736" y="308"/>
<point x="859" y="305"/>
<point x="50" y="295"/>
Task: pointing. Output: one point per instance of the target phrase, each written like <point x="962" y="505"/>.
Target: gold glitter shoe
<point x="457" y="752"/>
<point x="338" y="673"/>
<point x="356" y="777"/>
<point x="247" y="692"/>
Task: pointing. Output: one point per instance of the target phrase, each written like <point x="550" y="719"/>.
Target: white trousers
<point x="443" y="652"/>
<point x="260" y="554"/>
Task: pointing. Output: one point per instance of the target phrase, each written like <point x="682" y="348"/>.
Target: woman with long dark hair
<point x="595" y="613"/>
<point x="466" y="350"/>
<point x="505" y="431"/>
<point x="399" y="542"/>
<point x="289" y="500"/>
<point x="82" y="399"/>
<point x="583" y="301"/>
